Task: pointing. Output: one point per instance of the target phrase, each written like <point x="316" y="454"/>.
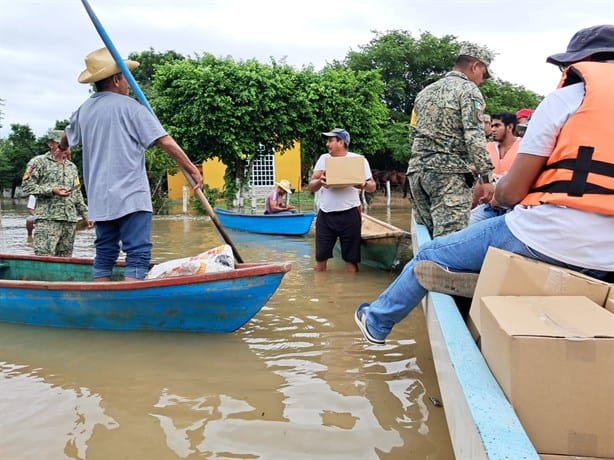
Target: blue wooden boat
<point x="481" y="421"/>
<point x="273" y="224"/>
<point x="59" y="292"/>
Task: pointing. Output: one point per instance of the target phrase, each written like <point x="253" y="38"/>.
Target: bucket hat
<point x="55" y="135"/>
<point x="585" y="43"/>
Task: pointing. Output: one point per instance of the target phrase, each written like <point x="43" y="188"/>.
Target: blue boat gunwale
<point x="496" y="431"/>
<point x="243" y="270"/>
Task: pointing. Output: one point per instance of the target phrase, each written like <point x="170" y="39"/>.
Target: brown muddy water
<point x="296" y="382"/>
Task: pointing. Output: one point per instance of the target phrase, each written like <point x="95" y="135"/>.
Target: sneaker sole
<point x="436" y="278"/>
<point x="368" y="337"/>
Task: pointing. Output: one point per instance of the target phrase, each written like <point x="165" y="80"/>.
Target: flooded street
<point x="296" y="382"/>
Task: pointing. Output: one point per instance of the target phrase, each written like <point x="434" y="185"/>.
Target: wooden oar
<point x="141" y="97"/>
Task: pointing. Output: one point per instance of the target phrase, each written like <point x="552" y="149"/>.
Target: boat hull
<point x="297" y="224"/>
<point x="217" y="302"/>
<point x="383" y="246"/>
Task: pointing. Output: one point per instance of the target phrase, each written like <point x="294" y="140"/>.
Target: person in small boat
<point x="276" y="200"/>
<point x="114" y="130"/>
<point x="502" y="153"/>
<point x="449" y="145"/>
<point x="522" y="120"/>
<point x="339" y="214"/>
<point x="559" y="188"/>
<point x="54" y="181"/>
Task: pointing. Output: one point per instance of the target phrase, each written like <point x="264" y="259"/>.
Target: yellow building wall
<point x="287" y="166"/>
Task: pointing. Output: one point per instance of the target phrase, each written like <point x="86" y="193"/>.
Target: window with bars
<point x="263" y="172"/>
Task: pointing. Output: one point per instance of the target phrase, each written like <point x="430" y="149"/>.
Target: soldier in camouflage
<point x="449" y="146"/>
<point x="54" y="180"/>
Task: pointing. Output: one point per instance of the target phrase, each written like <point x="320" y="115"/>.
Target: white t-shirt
<point x="339" y="199"/>
<point x="580" y="238"/>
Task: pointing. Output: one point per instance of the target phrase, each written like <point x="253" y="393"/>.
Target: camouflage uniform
<point x="448" y="139"/>
<point x="56" y="216"/>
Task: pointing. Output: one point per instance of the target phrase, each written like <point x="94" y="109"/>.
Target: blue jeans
<point x="484" y="211"/>
<point x="464" y="250"/>
<point x="134" y="232"/>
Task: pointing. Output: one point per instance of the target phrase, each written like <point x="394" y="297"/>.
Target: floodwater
<point x="296" y="382"/>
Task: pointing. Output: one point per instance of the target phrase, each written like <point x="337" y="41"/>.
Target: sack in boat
<point x="218" y="259"/>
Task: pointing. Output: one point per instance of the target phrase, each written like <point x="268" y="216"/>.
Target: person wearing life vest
<point x="502" y="151"/>
<point x="560" y="189"/>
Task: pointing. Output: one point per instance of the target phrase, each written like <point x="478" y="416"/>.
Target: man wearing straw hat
<point x="276" y="200"/>
<point x="114" y="131"/>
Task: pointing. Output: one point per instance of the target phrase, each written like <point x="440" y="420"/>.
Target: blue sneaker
<point x="361" y="320"/>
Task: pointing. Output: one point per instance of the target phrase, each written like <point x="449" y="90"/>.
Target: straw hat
<point x="284" y="184"/>
<point x="100" y="64"/>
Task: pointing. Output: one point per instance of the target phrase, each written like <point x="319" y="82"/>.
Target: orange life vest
<point x="502" y="165"/>
<point x="580" y="171"/>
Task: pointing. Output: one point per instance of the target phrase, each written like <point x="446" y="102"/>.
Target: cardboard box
<point x="554" y="359"/>
<point x="505" y="273"/>
<point x="345" y="171"/>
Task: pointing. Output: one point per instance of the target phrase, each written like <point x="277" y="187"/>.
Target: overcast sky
<point x="43" y="42"/>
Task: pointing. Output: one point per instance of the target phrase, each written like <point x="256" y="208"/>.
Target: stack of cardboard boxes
<point x="547" y="334"/>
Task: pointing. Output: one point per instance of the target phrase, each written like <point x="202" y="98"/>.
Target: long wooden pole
<point x="141" y="97"/>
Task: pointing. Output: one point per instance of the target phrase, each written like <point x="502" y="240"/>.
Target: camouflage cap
<point x="55" y="135"/>
<point x="482" y="54"/>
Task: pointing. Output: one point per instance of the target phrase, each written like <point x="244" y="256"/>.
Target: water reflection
<point x="296" y="382"/>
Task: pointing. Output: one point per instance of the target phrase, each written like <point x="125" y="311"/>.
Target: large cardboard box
<point x="345" y="171"/>
<point x="554" y="359"/>
<point x="505" y="273"/>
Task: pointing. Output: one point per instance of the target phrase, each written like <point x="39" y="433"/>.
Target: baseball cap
<point x="481" y="53"/>
<point x="55" y="135"/>
<point x="340" y="133"/>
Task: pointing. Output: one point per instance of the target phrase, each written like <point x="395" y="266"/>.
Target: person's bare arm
<point x="170" y="146"/>
<point x="515" y="185"/>
<point x="318" y="180"/>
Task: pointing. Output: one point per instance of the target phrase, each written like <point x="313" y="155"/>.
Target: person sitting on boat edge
<point x="276" y="200"/>
<point x="568" y="131"/>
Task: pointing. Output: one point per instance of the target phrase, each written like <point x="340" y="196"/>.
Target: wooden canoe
<point x="481" y="421"/>
<point x="384" y="246"/>
<point x="59" y="292"/>
<point x="296" y="224"/>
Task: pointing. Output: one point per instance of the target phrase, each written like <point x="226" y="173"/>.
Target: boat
<point x="59" y="292"/>
<point x="296" y="224"/>
<point x="481" y="421"/>
<point x="383" y="245"/>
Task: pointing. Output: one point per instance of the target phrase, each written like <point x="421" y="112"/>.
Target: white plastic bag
<point x="218" y="259"/>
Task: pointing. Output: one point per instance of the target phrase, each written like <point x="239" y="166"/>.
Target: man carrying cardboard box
<point x="339" y="204"/>
<point x="561" y="189"/>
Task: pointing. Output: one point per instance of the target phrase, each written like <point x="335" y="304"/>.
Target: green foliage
<point x="213" y="195"/>
<point x="406" y="65"/>
<point x="503" y="96"/>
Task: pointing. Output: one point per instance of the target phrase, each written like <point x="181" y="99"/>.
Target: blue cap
<point x="339" y="133"/>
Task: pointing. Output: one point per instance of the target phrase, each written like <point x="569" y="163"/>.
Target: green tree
<point x="503" y="96"/>
<point x="340" y="97"/>
<point x="20" y="146"/>
<point x="406" y="64"/>
<point x="237" y="110"/>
